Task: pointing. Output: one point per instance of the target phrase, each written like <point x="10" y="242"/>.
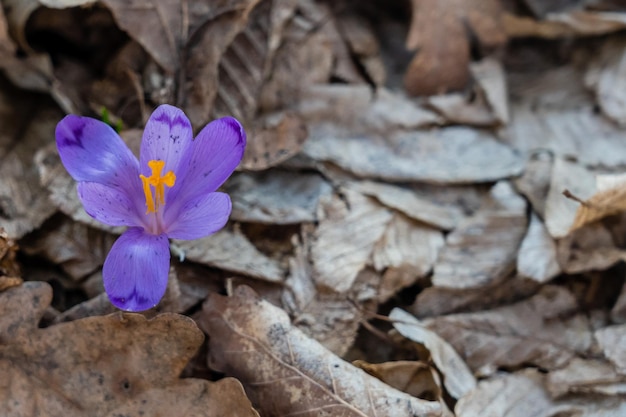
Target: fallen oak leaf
<point x="103" y="366"/>
<point x="288" y="373"/>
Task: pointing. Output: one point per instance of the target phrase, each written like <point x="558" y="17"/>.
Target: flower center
<point x="158" y="182"/>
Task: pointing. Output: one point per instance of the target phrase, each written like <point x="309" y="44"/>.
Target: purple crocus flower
<point x="168" y="193"/>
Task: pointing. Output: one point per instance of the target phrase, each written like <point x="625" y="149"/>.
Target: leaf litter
<point x="434" y="192"/>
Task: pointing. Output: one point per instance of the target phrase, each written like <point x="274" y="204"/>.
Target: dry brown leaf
<point x="406" y="252"/>
<point x="77" y="248"/>
<point x="276" y="197"/>
<point x="483" y="249"/>
<point x="272" y="140"/>
<point x="457" y="377"/>
<point x="454" y="155"/>
<point x="118" y="364"/>
<point x="232" y="251"/>
<point x="537" y="257"/>
<point x="349" y="227"/>
<point x="618" y="312"/>
<point x="287" y="373"/>
<point x="528" y="332"/>
<point x="439" y="33"/>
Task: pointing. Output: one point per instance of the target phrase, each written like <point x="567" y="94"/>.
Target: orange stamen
<point x="158" y="182"/>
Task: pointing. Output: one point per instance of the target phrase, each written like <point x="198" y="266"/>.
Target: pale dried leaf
<point x="457" y="155"/>
<point x="618" y="312"/>
<point x="527" y="332"/>
<point x="611" y="340"/>
<point x="406" y="252"/>
<point x="118" y="363"/>
<point x="457" y="377"/>
<point x="349" y="227"/>
<point x="254" y="341"/>
<point x="77" y="248"/>
<point x="411" y="204"/>
<point x="483" y="249"/>
<point x="232" y="251"/>
<point x="537" y="257"/>
<point x="276" y="197"/>
<point x="560" y="212"/>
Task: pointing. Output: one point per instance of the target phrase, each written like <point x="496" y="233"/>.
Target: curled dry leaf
<point x="287" y="373"/>
<point x="118" y="364"/>
<point x="457" y="377"/>
<point x="527" y="332"/>
<point x="482" y="250"/>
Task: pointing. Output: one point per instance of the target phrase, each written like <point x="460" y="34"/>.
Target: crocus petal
<point x="167" y="137"/>
<point x="199" y="218"/>
<point x="110" y="205"/>
<point x="136" y="269"/>
<point x="216" y="152"/>
<point x="92" y="151"/>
